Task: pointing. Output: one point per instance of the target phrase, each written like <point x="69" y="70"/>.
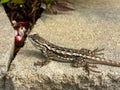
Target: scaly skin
<point x="82" y="57"/>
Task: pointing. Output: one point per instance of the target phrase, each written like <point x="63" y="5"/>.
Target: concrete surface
<point x="6" y="44"/>
<point x="94" y="23"/>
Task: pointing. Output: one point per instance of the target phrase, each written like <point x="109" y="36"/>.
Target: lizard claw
<point x="86" y="66"/>
<point x="95" y="52"/>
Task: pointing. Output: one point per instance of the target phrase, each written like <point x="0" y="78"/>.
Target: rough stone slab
<point x="94" y="23"/>
<point x="6" y="44"/>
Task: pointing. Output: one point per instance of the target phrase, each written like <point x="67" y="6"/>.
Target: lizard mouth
<point x="31" y="37"/>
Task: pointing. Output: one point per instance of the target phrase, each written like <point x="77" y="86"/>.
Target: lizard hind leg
<point x="86" y="66"/>
<point x="93" y="53"/>
<point x="96" y="51"/>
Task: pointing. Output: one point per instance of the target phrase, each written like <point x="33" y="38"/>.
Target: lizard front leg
<point x="47" y="56"/>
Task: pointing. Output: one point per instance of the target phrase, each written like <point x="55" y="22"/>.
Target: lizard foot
<point x="95" y="52"/>
<point x="87" y="67"/>
<point x="92" y="53"/>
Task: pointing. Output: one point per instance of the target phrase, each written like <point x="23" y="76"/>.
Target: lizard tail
<point x="103" y="61"/>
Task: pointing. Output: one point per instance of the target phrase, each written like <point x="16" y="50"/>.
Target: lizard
<point x="83" y="57"/>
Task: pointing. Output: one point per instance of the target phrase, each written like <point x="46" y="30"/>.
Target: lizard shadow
<point x="33" y="53"/>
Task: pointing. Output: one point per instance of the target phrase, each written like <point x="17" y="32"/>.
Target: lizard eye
<point x="31" y="36"/>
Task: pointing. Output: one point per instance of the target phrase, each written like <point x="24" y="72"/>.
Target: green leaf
<point x="18" y="1"/>
<point x="49" y="1"/>
<point x="4" y="1"/>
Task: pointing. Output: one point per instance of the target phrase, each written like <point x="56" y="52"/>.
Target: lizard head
<point x="37" y="41"/>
